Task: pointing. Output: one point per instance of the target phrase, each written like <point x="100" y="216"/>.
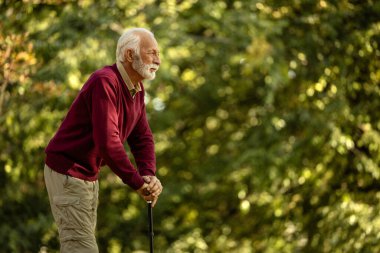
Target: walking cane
<point x="150" y="219"/>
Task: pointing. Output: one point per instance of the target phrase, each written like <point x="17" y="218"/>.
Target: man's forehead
<point x="147" y="41"/>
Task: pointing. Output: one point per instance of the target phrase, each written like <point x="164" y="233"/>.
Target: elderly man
<point x="108" y="111"/>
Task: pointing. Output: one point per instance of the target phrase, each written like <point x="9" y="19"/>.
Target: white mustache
<point x="153" y="66"/>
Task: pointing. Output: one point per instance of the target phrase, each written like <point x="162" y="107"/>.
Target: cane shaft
<point x="151" y="233"/>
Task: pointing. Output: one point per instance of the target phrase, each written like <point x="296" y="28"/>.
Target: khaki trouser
<point x="74" y="204"/>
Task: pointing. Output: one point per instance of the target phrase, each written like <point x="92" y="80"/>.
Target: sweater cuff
<point x="147" y="172"/>
<point x="136" y="182"/>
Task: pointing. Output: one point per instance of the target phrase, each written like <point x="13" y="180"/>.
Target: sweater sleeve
<point x="142" y="145"/>
<point x="106" y="134"/>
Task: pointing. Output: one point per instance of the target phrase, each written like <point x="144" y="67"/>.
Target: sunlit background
<point x="265" y="113"/>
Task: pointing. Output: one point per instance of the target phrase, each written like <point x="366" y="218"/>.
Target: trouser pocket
<point x="75" y="220"/>
<point x="75" y="212"/>
<point x="68" y="213"/>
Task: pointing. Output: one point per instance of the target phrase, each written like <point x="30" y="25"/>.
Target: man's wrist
<point x="147" y="172"/>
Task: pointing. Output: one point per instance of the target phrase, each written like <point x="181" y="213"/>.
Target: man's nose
<point x="157" y="60"/>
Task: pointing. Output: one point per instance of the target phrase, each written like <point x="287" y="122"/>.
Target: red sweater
<point x="102" y="117"/>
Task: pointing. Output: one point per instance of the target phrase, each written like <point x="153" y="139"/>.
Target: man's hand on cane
<point x="153" y="186"/>
<point x="144" y="193"/>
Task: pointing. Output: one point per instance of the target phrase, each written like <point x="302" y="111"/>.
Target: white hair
<point x="130" y="39"/>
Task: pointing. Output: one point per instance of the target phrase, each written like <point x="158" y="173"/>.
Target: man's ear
<point x="129" y="55"/>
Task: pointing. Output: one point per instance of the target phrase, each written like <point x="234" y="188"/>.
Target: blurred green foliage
<point x="266" y="117"/>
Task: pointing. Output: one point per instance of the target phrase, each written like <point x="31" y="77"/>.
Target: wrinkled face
<point x="147" y="62"/>
<point x="147" y="71"/>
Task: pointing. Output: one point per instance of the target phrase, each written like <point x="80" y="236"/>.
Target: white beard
<point x="144" y="69"/>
